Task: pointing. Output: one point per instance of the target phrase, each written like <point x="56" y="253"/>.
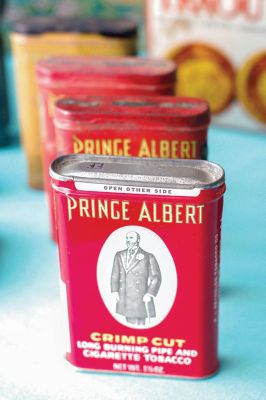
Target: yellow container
<point x="39" y="37"/>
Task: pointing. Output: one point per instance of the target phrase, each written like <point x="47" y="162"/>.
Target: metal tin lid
<point x="37" y="25"/>
<point x="131" y="69"/>
<point x="185" y="174"/>
<point x="180" y="111"/>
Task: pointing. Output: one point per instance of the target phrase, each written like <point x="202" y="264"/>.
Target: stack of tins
<point x="80" y="76"/>
<point x="166" y="127"/>
<point x="40" y="37"/>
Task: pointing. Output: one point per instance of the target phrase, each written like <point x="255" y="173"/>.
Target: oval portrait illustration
<point x="136" y="277"/>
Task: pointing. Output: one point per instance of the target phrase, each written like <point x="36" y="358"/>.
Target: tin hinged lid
<point x="134" y="70"/>
<point x="178" y="111"/>
<point x="37" y="25"/>
<point x="177" y="174"/>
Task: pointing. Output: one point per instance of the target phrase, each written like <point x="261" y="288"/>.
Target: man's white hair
<point x="136" y="233"/>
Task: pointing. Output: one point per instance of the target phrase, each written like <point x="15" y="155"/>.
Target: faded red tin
<point x="140" y="240"/>
<point x="82" y="76"/>
<point x="79" y="76"/>
<point x="163" y="126"/>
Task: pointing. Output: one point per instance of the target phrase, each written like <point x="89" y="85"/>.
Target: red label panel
<point x="150" y="267"/>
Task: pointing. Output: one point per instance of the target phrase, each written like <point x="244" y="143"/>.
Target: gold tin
<point x="35" y="38"/>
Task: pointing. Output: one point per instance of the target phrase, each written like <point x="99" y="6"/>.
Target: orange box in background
<point x="220" y="50"/>
<point x="40" y="37"/>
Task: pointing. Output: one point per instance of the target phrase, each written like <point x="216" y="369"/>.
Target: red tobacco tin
<point x="93" y="70"/>
<point x="169" y="213"/>
<point x="175" y="111"/>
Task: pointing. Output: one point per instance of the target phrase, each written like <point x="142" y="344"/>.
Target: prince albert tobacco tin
<point x="161" y="126"/>
<point x="139" y="246"/>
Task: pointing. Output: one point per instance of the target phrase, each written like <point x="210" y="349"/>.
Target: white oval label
<point x="136" y="277"/>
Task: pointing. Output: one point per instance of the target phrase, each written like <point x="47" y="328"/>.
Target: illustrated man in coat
<point x="135" y="281"/>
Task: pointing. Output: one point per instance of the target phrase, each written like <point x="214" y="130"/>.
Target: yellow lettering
<point x="89" y="147"/>
<point x="71" y="205"/>
<point x="180" y="342"/>
<point x="127" y="143"/>
<point x="83" y="207"/>
<point x="153" y="149"/>
<point x="117" y="150"/>
<point x="190" y="214"/>
<point x="103" y="208"/>
<point x="194" y="149"/>
<point x="144" y="213"/>
<point x="95" y="336"/>
<point x="200" y="208"/>
<point x="174" y="149"/>
<point x="167" y="342"/>
<point x="106" y="148"/>
<point x="164" y="149"/>
<point x="78" y="146"/>
<point x="155" y="219"/>
<point x="178" y="213"/>
<point x="115" y="147"/>
<point x="185" y="147"/>
<point x="142" y="339"/>
<point x="156" y="341"/>
<point x="125" y="210"/>
<point x="107" y="337"/>
<point x="167" y="213"/>
<point x="93" y="208"/>
<point x="144" y="149"/>
<point x="114" y="214"/>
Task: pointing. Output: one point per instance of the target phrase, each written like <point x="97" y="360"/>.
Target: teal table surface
<point x="31" y="344"/>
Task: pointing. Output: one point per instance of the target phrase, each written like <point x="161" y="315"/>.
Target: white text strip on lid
<point x="129" y="189"/>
